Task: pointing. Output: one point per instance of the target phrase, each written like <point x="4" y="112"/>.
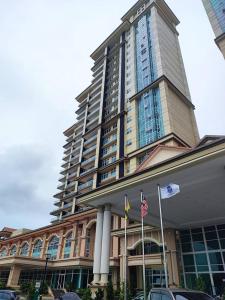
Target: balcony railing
<point x="88" y="161"/>
<point x="72" y="175"/>
<point x="89" y="150"/>
<point x="68" y="205"/>
<point x="90" y="140"/>
<point x="71" y="184"/>
<point x="85" y="185"/>
<point x="87" y="171"/>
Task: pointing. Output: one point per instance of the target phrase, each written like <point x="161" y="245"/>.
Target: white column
<point x="106" y="237"/>
<point x="98" y="246"/>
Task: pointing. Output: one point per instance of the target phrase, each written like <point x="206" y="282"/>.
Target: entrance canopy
<point x="201" y="201"/>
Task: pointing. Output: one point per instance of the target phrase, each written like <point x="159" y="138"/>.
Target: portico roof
<point x="200" y="173"/>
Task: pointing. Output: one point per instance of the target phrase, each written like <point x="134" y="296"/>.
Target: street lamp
<point x="47" y="258"/>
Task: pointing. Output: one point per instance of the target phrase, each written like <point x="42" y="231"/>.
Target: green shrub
<point x="44" y="288"/>
<point x="31" y="291"/>
<point x="86" y="294"/>
<point x="24" y="287"/>
<point x="110" y="291"/>
<point x="2" y="285"/>
<point x="200" y="284"/>
<point x="99" y="295"/>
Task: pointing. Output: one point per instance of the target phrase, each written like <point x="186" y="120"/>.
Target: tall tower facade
<point x="139" y="98"/>
<point x="215" y="10"/>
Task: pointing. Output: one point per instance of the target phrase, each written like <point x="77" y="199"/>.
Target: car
<point x="139" y="296"/>
<point x="70" y="296"/>
<point x="177" y="294"/>
<point x="8" y="295"/>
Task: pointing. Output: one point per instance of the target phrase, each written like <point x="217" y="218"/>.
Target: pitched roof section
<point x="161" y="153"/>
<point x="208" y="139"/>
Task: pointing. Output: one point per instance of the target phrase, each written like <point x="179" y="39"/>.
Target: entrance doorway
<point x="61" y="281"/>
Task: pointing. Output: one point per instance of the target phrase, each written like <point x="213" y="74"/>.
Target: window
<point x="3" y="252"/>
<point x="129" y="142"/>
<point x="67" y="246"/>
<point x="129" y="119"/>
<point x="13" y="250"/>
<point x="129" y="130"/>
<point x="53" y="247"/>
<point x="155" y="296"/>
<point x="24" y="249"/>
<point x="37" y="248"/>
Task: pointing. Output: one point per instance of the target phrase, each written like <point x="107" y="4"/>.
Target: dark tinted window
<point x="191" y="296"/>
<point x="155" y="296"/>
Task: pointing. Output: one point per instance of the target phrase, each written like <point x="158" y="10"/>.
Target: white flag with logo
<point x="170" y="190"/>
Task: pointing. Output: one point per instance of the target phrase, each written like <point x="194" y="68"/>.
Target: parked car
<point x="8" y="295"/>
<point x="70" y="296"/>
<point x="139" y="296"/>
<point x="177" y="294"/>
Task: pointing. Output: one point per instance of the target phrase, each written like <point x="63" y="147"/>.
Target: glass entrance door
<point x="61" y="281"/>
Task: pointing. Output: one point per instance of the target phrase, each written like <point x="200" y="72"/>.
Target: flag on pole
<point x="144" y="207"/>
<point x="169" y="191"/>
<point x="127" y="208"/>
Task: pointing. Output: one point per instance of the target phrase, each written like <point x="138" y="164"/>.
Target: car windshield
<point x="191" y="296"/>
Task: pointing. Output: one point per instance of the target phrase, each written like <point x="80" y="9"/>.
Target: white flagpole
<point x="125" y="253"/>
<point x="143" y="250"/>
<point x="162" y="235"/>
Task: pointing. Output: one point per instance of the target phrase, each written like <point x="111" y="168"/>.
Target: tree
<point x="110" y="291"/>
<point x="99" y="294"/>
<point x="86" y="294"/>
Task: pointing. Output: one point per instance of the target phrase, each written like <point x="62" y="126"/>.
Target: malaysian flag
<point x="144" y="207"/>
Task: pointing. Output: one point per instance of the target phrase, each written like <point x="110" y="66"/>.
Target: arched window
<point x="37" y="248"/>
<point x="3" y="252"/>
<point x="24" y="249"/>
<point x="53" y="247"/>
<point x="149" y="248"/>
<point x="67" y="245"/>
<point x="13" y="250"/>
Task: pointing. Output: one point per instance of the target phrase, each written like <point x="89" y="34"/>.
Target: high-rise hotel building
<point x="216" y="13"/>
<point x="139" y="98"/>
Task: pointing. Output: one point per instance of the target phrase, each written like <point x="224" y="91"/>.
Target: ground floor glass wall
<point x="203" y="256"/>
<point x="4" y="274"/>
<point x="59" y="279"/>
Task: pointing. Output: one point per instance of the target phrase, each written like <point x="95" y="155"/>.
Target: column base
<point x="96" y="280"/>
<point x="104" y="279"/>
<point x="95" y="287"/>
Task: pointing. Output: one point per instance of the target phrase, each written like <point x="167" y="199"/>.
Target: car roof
<point x="177" y="290"/>
<point x="7" y="291"/>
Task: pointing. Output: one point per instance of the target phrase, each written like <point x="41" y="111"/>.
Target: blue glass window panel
<point x="37" y="249"/>
<point x="145" y="57"/>
<point x="150" y="121"/>
<point x="219" y="9"/>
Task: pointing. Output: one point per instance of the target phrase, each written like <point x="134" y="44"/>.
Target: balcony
<point x="90" y="140"/>
<point x="61" y="186"/>
<point x="71" y="184"/>
<point x="68" y="205"/>
<point x="74" y="174"/>
<point x="89" y="150"/>
<point x="85" y="185"/>
<point x="87" y="161"/>
<point x="87" y="171"/>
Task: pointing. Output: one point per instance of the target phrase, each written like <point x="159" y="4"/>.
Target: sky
<point x="45" y="62"/>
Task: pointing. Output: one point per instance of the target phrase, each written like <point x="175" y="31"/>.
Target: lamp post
<point x="47" y="258"/>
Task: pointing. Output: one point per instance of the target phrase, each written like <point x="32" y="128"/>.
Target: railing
<point x="70" y="184"/>
<point x="90" y="140"/>
<point x="85" y="185"/>
<point x="88" y="161"/>
<point x="68" y="205"/>
<point x="89" y="150"/>
<point x="85" y="172"/>
<point x="72" y="174"/>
